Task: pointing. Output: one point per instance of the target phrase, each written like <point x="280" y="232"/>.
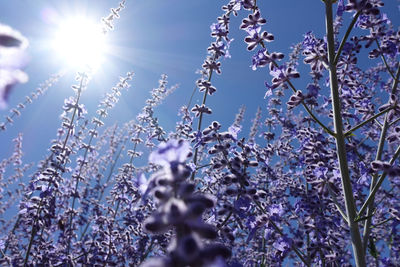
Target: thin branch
<point x="394" y="122"/>
<point x="384" y="60"/>
<point x="367" y="121"/>
<point x="329" y="131"/>
<point x="346" y="35"/>
<point x="383" y="222"/>
<point x="336" y="202"/>
<point x="378" y="185"/>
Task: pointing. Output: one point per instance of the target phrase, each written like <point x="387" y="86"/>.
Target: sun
<point x="80" y="43"/>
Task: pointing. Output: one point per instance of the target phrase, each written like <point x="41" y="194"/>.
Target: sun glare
<point x="80" y="43"/>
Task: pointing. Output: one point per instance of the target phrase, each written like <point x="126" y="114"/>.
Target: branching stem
<point x="340" y="143"/>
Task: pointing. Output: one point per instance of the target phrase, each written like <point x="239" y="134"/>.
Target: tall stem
<point x="340" y="142"/>
<point x="69" y="133"/>
<point x="196" y="151"/>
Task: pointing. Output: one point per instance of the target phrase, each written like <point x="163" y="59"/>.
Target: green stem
<point x="383" y="222"/>
<point x="340" y="143"/>
<point x="191" y="97"/>
<point x="148" y="250"/>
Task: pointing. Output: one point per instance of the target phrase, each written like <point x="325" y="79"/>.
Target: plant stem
<point x="199" y="126"/>
<point x="346" y="35"/>
<point x="374" y="182"/>
<point x="384" y="60"/>
<point x="377" y="185"/>
<point x="71" y="217"/>
<point x="39" y="208"/>
<point x="329" y="131"/>
<point x="33" y="231"/>
<point x="351" y="211"/>
<point x="114" y="162"/>
<point x="336" y="202"/>
<point x="349" y="132"/>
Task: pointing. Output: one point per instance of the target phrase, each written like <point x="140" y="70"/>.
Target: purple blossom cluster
<point x="315" y="182"/>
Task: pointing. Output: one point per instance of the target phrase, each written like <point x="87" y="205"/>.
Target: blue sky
<point x="151" y="38"/>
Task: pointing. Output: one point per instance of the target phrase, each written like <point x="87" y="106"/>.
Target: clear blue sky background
<point x="152" y="37"/>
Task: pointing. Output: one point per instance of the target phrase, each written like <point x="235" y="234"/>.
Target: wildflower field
<point x="200" y="133"/>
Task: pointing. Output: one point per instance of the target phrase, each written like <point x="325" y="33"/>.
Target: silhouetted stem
<point x="329" y="131"/>
<point x="346" y="35"/>
<point x="351" y="210"/>
<point x="384" y="60"/>
<point x="196" y="151"/>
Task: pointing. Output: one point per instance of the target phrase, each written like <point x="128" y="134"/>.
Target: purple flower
<point x="12" y="59"/>
<point x="232" y="7"/>
<point x="312" y="90"/>
<point x="262" y="58"/>
<point x="253" y="21"/>
<point x="211" y="65"/>
<point x="255" y="38"/>
<point x="275" y="212"/>
<point x="224" y="20"/>
<point x="309" y="41"/>
<point x="340" y="8"/>
<point x="295" y="99"/>
<point x="281" y="75"/>
<point x="248" y="4"/>
<point x="69" y="106"/>
<point x="219" y="31"/>
<point x="234" y="131"/>
<point x="217" y="49"/>
<point x="378" y="165"/>
<point x="368" y="7"/>
<point x="201" y="109"/>
<point x="206" y="86"/>
<point x="172" y="151"/>
<point x="314" y="51"/>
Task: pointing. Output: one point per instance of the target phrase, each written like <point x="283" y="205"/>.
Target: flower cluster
<point x="182" y="208"/>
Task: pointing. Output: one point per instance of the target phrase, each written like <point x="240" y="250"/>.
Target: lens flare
<point x="80" y="43"/>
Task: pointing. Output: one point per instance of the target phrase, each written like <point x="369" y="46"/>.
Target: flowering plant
<point x="315" y="182"/>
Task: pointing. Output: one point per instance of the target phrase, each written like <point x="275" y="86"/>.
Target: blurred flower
<point x="12" y="59"/>
<point x="172" y="151"/>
